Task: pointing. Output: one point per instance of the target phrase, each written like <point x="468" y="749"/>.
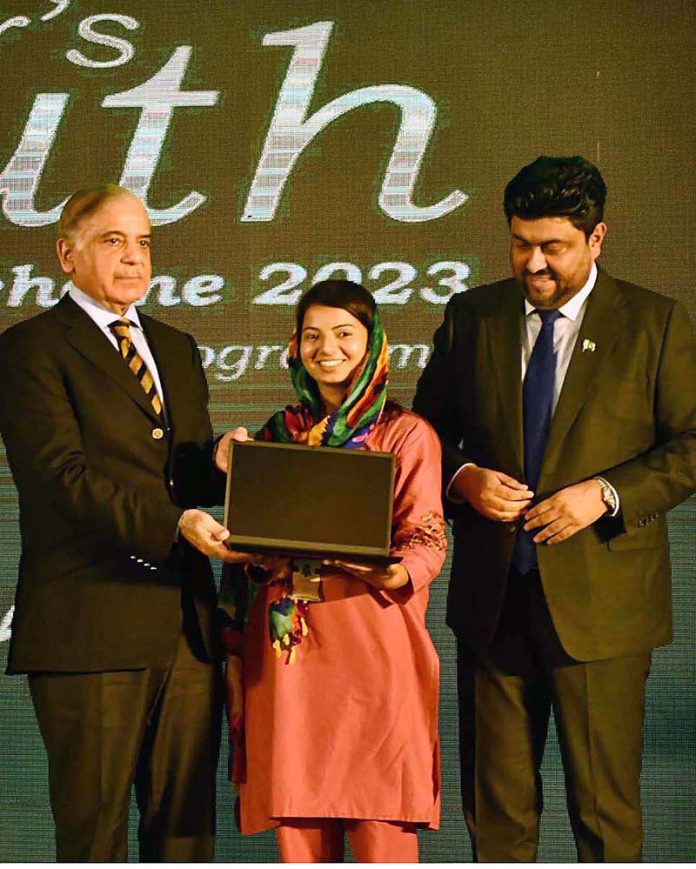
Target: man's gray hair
<point x="84" y="203"/>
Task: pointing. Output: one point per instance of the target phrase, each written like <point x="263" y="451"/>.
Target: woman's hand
<point x="388" y="577"/>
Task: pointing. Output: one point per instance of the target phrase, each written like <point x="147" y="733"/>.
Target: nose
<point x="536" y="261"/>
<point x="133" y="251"/>
<point x="327" y="344"/>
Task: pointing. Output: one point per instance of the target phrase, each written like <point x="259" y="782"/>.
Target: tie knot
<point x="548" y="318"/>
<point x="120" y="327"/>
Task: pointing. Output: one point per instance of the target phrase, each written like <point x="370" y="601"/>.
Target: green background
<point x="612" y="81"/>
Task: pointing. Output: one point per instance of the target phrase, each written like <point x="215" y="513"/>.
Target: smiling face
<point x="333" y="343"/>
<point x="551" y="258"/>
<point x="108" y="254"/>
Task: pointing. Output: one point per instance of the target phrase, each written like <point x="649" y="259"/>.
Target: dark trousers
<point x="505" y="702"/>
<point x="156" y="729"/>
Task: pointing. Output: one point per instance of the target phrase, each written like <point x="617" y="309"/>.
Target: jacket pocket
<point x="646" y="537"/>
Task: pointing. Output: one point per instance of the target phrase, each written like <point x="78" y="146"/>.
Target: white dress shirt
<point x="103" y="316"/>
<point x="565" y="334"/>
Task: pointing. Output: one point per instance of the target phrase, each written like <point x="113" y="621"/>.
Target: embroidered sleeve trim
<point x="429" y="532"/>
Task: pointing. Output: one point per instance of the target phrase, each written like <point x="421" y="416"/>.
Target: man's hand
<point x="567" y="512"/>
<point x="222" y="450"/>
<point x="389" y="577"/>
<point x="493" y="494"/>
<point x="207" y="535"/>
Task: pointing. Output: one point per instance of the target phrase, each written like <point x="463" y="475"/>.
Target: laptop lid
<point x="309" y="501"/>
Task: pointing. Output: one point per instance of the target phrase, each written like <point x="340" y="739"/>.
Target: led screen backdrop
<point x="279" y="142"/>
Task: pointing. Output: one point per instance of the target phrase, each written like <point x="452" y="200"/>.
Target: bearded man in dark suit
<point x="565" y="402"/>
<point x="103" y="412"/>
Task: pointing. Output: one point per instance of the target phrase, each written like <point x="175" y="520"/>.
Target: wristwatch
<point x="608" y="494"/>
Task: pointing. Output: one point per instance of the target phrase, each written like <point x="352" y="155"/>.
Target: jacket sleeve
<point x="664" y="475"/>
<point x="41" y="432"/>
<point x="437" y="390"/>
<point x="197" y="480"/>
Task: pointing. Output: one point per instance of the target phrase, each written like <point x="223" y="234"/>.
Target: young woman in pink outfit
<point x="342" y="740"/>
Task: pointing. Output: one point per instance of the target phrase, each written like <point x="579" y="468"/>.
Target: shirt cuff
<point x="455" y="499"/>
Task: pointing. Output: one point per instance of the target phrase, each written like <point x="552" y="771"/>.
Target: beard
<point x="546" y="297"/>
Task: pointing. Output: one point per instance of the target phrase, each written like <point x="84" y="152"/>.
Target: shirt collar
<point x="101" y="315"/>
<point x="572" y="307"/>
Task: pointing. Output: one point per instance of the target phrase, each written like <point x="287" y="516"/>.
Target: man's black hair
<point x="569" y="187"/>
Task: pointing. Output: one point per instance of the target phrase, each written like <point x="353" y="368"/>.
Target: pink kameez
<point x="350" y="729"/>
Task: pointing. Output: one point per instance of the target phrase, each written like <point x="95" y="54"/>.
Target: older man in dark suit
<point x="103" y="412"/>
<point x="565" y="401"/>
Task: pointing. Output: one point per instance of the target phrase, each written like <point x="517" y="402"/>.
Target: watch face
<point x="607" y="494"/>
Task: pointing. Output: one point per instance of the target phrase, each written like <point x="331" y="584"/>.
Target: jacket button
<point x="158" y="433"/>
<point x="512" y="528"/>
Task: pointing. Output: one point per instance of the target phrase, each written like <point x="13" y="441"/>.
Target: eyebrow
<point x="545" y="241"/>
<point x="340" y="326"/>
<point x="122" y="234"/>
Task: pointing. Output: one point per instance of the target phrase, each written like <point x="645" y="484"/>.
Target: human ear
<point x="64" y="249"/>
<point x="596" y="238"/>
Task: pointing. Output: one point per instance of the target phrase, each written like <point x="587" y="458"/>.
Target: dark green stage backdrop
<point x="276" y="142"/>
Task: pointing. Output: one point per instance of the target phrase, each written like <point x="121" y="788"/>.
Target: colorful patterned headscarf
<point x="352" y="423"/>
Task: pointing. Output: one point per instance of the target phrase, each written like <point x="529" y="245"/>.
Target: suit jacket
<point x="102" y="482"/>
<point x="627" y="412"/>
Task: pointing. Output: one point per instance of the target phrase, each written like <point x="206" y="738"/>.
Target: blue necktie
<point x="537" y="410"/>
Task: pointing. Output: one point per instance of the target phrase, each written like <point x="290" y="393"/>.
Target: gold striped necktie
<point x="121" y="329"/>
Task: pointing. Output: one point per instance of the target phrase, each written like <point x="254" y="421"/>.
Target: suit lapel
<point x="166" y="360"/>
<point x="88" y="339"/>
<point x="504" y="335"/>
<point x="600" y="329"/>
